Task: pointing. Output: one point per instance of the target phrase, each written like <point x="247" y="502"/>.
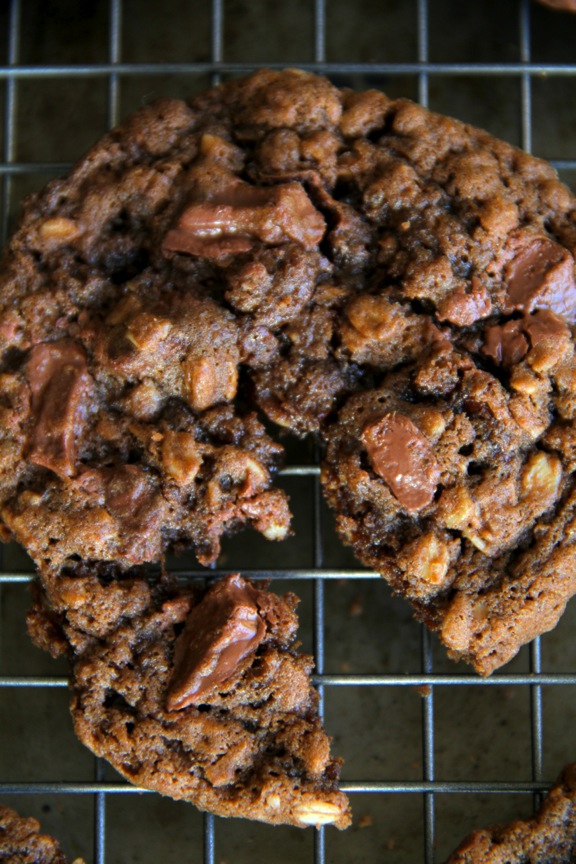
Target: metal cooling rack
<point x="112" y="71"/>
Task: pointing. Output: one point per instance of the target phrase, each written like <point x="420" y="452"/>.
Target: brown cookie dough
<point x="22" y="843"/>
<point x="549" y="837"/>
<point x="197" y="694"/>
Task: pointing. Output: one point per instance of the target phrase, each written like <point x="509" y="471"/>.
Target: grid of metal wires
<point x="429" y="787"/>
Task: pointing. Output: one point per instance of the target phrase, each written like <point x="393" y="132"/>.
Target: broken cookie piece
<point x="439" y="482"/>
<point x="550" y="836"/>
<point x="22" y="843"/>
<point x="199" y="695"/>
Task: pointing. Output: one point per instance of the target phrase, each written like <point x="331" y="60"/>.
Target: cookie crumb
<point x="356" y="607"/>
<point x="424" y="690"/>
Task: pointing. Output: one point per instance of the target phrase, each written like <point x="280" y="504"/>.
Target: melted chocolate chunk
<point x="506" y="344"/>
<point x="542" y="276"/>
<point x="402" y="456"/>
<point x="545" y="324"/>
<point x="509" y="343"/>
<point x="224" y="629"/>
<point x="59" y="383"/>
<point x="234" y="217"/>
<point x="126" y="490"/>
<point x="464" y="309"/>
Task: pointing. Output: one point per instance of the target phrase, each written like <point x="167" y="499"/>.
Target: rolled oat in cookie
<point x="196" y="694"/>
<point x="550" y="836"/>
<point x="22" y="843"/>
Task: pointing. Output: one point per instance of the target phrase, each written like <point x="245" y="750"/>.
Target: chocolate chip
<point x="545" y="324"/>
<point x="402" y="456"/>
<point x="127" y="490"/>
<point x="59" y="383"/>
<point x="508" y="344"/>
<point x="222" y="630"/>
<point x="232" y="218"/>
<point x="541" y="276"/>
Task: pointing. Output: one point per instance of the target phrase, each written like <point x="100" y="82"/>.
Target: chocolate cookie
<point x="22" y="843"/>
<point x="549" y="837"/>
<point x="199" y="695"/>
<point x="287" y="243"/>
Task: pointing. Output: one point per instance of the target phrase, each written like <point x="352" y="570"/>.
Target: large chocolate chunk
<point x="541" y="276"/>
<point x="221" y="631"/>
<point x="233" y="217"/>
<point x="59" y="384"/>
<point x="402" y="456"/>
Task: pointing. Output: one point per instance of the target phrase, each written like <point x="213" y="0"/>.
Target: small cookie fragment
<point x="550" y="836"/>
<point x="199" y="695"/>
<point x="22" y="843"/>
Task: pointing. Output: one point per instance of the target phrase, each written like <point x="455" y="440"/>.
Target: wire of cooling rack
<point x="318" y="574"/>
